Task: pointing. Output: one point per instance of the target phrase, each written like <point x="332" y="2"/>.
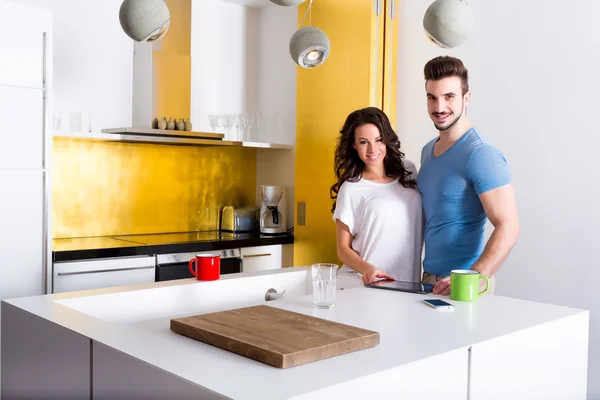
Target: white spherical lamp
<point x="309" y="47"/>
<point x="144" y="20"/>
<point x="448" y="23"/>
<point x="287" y="3"/>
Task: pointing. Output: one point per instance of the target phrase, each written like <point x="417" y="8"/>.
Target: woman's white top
<point x="386" y="222"/>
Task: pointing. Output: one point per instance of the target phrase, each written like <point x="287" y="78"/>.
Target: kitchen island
<point x="116" y="343"/>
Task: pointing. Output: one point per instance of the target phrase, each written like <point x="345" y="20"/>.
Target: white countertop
<point x="409" y="330"/>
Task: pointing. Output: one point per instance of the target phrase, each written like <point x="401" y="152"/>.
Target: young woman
<point x="377" y="206"/>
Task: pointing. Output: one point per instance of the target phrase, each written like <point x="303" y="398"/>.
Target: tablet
<point x="401" y="286"/>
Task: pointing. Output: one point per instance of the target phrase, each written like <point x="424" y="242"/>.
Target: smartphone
<point x="439" y="304"/>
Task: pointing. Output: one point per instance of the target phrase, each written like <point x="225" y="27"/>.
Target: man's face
<point x="445" y="102"/>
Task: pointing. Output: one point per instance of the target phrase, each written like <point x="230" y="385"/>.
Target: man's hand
<point x="373" y="273"/>
<point x="442" y="287"/>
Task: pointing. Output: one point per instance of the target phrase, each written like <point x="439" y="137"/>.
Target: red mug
<point x="208" y="267"/>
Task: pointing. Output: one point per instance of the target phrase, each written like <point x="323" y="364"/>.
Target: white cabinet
<point x="94" y="274"/>
<point x="261" y="258"/>
<point x="22" y="44"/>
<point x="21" y="116"/>
<point x="21" y="232"/>
<point x="25" y="77"/>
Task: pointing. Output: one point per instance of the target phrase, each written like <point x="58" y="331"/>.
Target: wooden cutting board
<point x="274" y="336"/>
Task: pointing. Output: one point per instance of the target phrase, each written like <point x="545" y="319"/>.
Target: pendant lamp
<point x="309" y="46"/>
<point x="287" y="3"/>
<point x="448" y="23"/>
<point x="144" y="20"/>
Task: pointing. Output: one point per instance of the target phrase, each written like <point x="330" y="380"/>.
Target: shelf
<point x="170" y="140"/>
<point x="261" y="145"/>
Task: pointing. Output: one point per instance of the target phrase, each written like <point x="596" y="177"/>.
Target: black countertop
<point x="73" y="249"/>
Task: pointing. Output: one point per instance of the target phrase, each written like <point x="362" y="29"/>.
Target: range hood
<point x="164" y="136"/>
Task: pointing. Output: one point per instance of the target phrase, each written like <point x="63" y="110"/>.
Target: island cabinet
<point x="117" y="375"/>
<point x="543" y="362"/>
<point x="117" y="343"/>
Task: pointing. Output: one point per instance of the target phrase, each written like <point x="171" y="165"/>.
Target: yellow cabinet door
<point x="351" y="78"/>
<point x="390" y="60"/>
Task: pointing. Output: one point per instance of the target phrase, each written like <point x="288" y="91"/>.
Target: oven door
<point x="176" y="266"/>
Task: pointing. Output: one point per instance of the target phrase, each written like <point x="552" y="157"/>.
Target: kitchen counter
<point x="494" y="348"/>
<point x="70" y="249"/>
<point x="89" y="243"/>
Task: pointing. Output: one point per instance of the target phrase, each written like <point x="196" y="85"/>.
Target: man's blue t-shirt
<point x="454" y="216"/>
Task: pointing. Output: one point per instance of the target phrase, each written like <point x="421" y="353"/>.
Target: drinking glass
<point x="249" y="124"/>
<point x="324" y="278"/>
<point x="260" y="128"/>
<point x="216" y="121"/>
<point x="229" y="122"/>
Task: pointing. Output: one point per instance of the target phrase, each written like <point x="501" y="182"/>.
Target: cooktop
<point x="170" y="238"/>
<point x="86" y="243"/>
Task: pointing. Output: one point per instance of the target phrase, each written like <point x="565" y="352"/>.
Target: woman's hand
<point x="350" y="258"/>
<point x="372" y="273"/>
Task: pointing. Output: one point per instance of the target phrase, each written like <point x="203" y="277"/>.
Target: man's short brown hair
<point x="446" y="66"/>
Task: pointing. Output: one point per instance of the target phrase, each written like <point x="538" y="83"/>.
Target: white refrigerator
<point x="25" y="149"/>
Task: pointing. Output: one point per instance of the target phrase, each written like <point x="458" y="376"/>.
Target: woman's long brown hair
<point x="349" y="167"/>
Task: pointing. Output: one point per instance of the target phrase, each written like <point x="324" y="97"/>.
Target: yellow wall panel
<point x="173" y="91"/>
<point x="172" y="64"/>
<point x="112" y="188"/>
<point x="390" y="62"/>
<point x="178" y="38"/>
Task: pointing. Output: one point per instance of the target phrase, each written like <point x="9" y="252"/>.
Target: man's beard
<point x="451" y="124"/>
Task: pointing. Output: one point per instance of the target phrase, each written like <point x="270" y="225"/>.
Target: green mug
<point x="464" y="285"/>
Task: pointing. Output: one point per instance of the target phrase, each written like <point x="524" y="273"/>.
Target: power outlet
<point x="301" y="213"/>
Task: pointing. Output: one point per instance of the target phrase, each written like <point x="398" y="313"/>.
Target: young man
<point x="464" y="182"/>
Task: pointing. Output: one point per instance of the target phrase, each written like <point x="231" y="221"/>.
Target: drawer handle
<point x="102" y="270"/>
<point x="257" y="255"/>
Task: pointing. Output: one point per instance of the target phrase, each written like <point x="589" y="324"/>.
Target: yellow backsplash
<point x="115" y="188"/>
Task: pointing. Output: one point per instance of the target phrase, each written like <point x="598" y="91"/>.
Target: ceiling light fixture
<point x="448" y="23"/>
<point x="287" y="3"/>
<point x="144" y="20"/>
<point x="309" y="46"/>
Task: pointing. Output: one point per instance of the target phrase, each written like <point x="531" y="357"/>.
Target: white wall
<point x="224" y="52"/>
<point x="241" y="64"/>
<point x="277" y="73"/>
<point x="534" y="83"/>
<point x="93" y="60"/>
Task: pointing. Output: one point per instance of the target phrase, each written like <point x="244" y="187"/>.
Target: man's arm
<point x="500" y="207"/>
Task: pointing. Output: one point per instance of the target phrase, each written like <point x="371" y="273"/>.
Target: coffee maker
<point x="271" y="220"/>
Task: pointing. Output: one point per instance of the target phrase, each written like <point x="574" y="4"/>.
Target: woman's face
<point x="369" y="145"/>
